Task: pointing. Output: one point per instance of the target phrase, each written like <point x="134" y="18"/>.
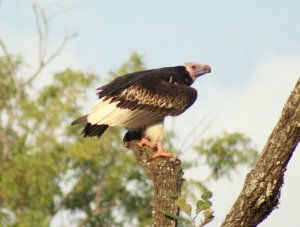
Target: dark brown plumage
<point x="143" y="99"/>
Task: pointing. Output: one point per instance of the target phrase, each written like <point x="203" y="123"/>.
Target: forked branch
<point x="42" y="23"/>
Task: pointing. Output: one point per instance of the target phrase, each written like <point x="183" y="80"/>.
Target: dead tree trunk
<point x="261" y="191"/>
<point x="166" y="175"/>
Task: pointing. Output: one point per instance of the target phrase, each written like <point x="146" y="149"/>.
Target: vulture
<point x="141" y="101"/>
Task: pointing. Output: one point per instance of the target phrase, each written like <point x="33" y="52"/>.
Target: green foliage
<point x="47" y="154"/>
<point x="203" y="206"/>
<point x="7" y="90"/>
<point x="224" y="154"/>
<point x="30" y="178"/>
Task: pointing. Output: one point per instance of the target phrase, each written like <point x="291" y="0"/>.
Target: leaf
<point x="206" y="195"/>
<point x="187" y="208"/>
<point x="208" y="203"/>
<point x="181" y="199"/>
<point x="200" y="203"/>
<point x="183" y="205"/>
<point x="202" y="206"/>
<point x="208" y="217"/>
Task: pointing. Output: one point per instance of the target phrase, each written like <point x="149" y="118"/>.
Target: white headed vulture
<point x="141" y="101"/>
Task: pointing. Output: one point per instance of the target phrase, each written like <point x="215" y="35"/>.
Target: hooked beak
<point x="203" y="70"/>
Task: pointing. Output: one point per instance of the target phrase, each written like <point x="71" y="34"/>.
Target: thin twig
<point x="43" y="42"/>
<point x="51" y="58"/>
<point x="40" y="31"/>
<point x="45" y="35"/>
<point x="11" y="64"/>
<point x="201" y="132"/>
<point x="60" y="48"/>
<point x="190" y="137"/>
<point x="4" y="48"/>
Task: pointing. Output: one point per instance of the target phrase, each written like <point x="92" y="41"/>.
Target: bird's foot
<point x="161" y="152"/>
<point x="146" y="142"/>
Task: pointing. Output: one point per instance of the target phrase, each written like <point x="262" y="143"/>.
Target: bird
<point x="141" y="101"/>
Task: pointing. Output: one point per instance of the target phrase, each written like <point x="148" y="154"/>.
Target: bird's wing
<point x="144" y="102"/>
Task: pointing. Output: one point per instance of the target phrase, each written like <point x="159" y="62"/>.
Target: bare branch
<point x="11" y="64"/>
<point x="4" y="48"/>
<point x="51" y="58"/>
<point x="193" y="137"/>
<point x="36" y="10"/>
<point x="261" y="191"/>
<point x="60" y="48"/>
<point x="46" y="34"/>
<point x="43" y="31"/>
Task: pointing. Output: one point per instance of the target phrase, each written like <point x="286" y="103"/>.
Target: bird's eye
<point x="193" y="67"/>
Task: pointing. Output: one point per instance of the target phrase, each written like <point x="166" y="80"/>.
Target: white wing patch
<point x="100" y="110"/>
<point x="103" y="112"/>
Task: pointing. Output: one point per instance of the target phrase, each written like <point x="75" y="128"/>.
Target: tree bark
<point x="166" y="175"/>
<point x="261" y="190"/>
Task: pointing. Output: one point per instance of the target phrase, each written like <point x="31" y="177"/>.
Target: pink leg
<point x="146" y="142"/>
<point x="161" y="152"/>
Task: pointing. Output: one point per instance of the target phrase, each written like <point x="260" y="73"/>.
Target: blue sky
<point x="253" y="48"/>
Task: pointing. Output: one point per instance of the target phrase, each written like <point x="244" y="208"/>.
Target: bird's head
<point x="195" y="70"/>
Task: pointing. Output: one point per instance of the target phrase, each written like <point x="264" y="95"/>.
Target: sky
<point x="252" y="46"/>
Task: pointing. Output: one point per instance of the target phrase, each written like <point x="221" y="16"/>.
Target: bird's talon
<point x="161" y="152"/>
<point x="146" y="142"/>
<point x="161" y="155"/>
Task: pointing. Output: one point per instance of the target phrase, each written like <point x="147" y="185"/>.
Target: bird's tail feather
<point x="94" y="130"/>
<point x="80" y="120"/>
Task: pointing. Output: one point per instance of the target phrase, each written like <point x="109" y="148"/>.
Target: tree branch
<point x="40" y="15"/>
<point x="60" y="48"/>
<point x="4" y="48"/>
<point x="36" y="11"/>
<point x="11" y="64"/>
<point x="42" y="28"/>
<point x="261" y="191"/>
<point x="166" y="175"/>
<point x="46" y="62"/>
